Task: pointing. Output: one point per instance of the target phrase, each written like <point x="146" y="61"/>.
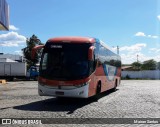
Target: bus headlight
<point x="81" y="85"/>
<point x="81" y="92"/>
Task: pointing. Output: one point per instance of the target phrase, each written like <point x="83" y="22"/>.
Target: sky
<point x="132" y="25"/>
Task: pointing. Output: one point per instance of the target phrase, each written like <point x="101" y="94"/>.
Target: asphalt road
<point x="132" y="99"/>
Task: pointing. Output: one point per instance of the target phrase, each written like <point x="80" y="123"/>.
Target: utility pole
<point x="118" y="50"/>
<point x="137" y="58"/>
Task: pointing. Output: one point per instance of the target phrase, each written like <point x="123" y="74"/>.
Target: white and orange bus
<point x="77" y="67"/>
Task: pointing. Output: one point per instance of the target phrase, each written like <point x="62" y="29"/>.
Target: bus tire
<point x="35" y="78"/>
<point x="98" y="90"/>
<point x="115" y="85"/>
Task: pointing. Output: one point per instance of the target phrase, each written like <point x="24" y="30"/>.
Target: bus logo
<point x="6" y="121"/>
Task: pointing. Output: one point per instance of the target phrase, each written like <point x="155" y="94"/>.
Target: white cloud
<point x="129" y="53"/>
<point x="133" y="48"/>
<point x="12" y="39"/>
<point x="152" y="36"/>
<point x="114" y="49"/>
<point x="129" y="58"/>
<point x="19" y="52"/>
<point x="140" y="34"/>
<point x="158" y="17"/>
<point x="155" y="50"/>
<point x="12" y="27"/>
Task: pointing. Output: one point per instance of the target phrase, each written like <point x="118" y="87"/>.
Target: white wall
<point x="147" y="74"/>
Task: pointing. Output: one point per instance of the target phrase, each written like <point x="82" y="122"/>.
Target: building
<point x="126" y="68"/>
<point x="6" y="60"/>
<point x="10" y="58"/>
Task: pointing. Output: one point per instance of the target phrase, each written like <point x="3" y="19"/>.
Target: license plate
<point x="59" y="93"/>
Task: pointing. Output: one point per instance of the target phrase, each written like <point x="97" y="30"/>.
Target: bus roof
<point x="73" y="39"/>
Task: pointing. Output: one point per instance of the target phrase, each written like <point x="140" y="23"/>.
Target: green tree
<point x="31" y="42"/>
<point x="136" y="66"/>
<point x="158" y="65"/>
<point x="149" y="65"/>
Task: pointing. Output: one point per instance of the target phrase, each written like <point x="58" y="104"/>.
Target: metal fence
<point x="147" y="74"/>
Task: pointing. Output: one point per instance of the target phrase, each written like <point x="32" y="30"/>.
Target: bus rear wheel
<point x="98" y="90"/>
<point x="115" y="85"/>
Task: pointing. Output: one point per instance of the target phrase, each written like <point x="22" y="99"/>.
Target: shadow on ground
<point x="60" y="104"/>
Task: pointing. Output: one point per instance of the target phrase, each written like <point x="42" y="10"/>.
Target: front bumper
<point x="81" y="92"/>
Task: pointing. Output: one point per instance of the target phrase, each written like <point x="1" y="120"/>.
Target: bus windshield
<point x="65" y="61"/>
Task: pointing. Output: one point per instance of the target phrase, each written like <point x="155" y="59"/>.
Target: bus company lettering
<point x="56" y="46"/>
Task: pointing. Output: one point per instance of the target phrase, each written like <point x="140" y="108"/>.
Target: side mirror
<point x="91" y="53"/>
<point x="34" y="50"/>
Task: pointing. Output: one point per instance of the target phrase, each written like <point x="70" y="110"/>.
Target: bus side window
<point x="92" y="65"/>
<point x="99" y="63"/>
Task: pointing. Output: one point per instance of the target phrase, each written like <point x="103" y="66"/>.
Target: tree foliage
<point x="146" y="65"/>
<point x="31" y="42"/>
<point x="136" y="66"/>
<point x="158" y="65"/>
<point x="149" y="65"/>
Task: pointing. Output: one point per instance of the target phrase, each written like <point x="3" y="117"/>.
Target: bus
<point x="78" y="67"/>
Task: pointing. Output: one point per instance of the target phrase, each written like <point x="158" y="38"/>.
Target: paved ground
<point x="133" y="99"/>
